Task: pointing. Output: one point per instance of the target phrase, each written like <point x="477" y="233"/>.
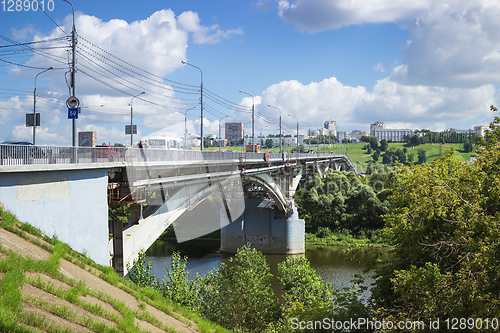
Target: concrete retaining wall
<point x="68" y="204"/>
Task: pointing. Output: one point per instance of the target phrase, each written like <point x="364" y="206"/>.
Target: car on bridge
<point x="107" y="152"/>
<point x="20" y="150"/>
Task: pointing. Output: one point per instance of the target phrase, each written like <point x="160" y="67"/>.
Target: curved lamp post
<point x="201" y="100"/>
<point x="220" y="119"/>
<point x="131" y="124"/>
<point x="34" y="103"/>
<point x="253" y="114"/>
<point x="185" y="126"/>
<point x="280" y="122"/>
<point x="291" y="115"/>
<point x="308" y="134"/>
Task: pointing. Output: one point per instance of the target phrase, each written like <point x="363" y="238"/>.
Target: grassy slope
<point x="36" y="293"/>
<point x="357" y="152"/>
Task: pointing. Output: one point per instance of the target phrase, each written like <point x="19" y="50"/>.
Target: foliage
<point x="140" y="272"/>
<point x="422" y="156"/>
<point x="178" y="287"/>
<point x="444" y="226"/>
<point x="340" y="201"/>
<point x="306" y="296"/>
<point x="384" y="145"/>
<point x="239" y="295"/>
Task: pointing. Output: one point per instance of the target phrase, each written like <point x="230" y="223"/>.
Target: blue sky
<point x="411" y="64"/>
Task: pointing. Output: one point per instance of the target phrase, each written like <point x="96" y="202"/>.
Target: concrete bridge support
<point x="264" y="228"/>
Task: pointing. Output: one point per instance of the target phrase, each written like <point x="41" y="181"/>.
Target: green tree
<point x="376" y="155"/>
<point x="384" y="145"/>
<point x="239" y="295"/>
<point x="422" y="156"/>
<point x="269" y="143"/>
<point x="443" y="225"/>
<point x="373" y="142"/>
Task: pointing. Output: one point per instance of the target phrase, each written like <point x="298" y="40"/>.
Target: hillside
<point x="47" y="287"/>
<point x="433" y="150"/>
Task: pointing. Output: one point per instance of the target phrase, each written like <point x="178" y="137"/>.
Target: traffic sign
<point x="72" y="113"/>
<point x="72" y="102"/>
<point x="127" y="129"/>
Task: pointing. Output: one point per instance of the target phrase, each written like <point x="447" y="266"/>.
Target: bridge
<point x="249" y="196"/>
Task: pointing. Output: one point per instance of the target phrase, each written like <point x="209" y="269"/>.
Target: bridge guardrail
<point x="29" y="155"/>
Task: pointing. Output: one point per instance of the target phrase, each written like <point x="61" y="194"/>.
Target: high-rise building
<point x="87" y="139"/>
<point x="378" y="125"/>
<point x="331" y="126"/>
<point x="234" y="131"/>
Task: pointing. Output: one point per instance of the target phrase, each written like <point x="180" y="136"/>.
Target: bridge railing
<point x="29" y="154"/>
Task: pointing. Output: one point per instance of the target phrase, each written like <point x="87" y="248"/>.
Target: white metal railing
<point x="29" y="154"/>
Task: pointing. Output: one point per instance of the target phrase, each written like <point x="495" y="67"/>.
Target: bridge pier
<point x="264" y="229"/>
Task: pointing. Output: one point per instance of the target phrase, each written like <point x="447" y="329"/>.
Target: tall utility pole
<point x="73" y="80"/>
<point x="201" y="100"/>
<point x="34" y="104"/>
<point x="280" y="123"/>
<point x="291" y="115"/>
<point x="131" y="123"/>
<point x="253" y="116"/>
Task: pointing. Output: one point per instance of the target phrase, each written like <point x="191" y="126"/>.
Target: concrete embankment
<point x="47" y="287"/>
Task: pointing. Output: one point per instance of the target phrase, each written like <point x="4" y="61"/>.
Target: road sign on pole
<point x="72" y="113"/>
<point x="127" y="129"/>
<point x="72" y="102"/>
<point x="29" y="119"/>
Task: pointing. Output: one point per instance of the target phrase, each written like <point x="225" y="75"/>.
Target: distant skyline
<point x="411" y="64"/>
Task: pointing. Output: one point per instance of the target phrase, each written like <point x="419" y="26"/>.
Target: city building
<point x="394" y="135"/>
<point x="341" y="136"/>
<point x="480" y="130"/>
<point x="331" y="126"/>
<point x="378" y="125"/>
<point x="234" y="131"/>
<point x="356" y="135"/>
<point x="87" y="139"/>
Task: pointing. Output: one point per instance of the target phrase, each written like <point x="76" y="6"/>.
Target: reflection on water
<point x="330" y="262"/>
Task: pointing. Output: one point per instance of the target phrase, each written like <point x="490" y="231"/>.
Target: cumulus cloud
<point x="163" y="38"/>
<point x="319" y="15"/>
<point x="189" y="21"/>
<point x="453" y="43"/>
<point x="394" y="103"/>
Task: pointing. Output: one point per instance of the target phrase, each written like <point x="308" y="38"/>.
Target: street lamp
<point x="261" y="139"/>
<point x="185" y="126"/>
<point x="201" y="100"/>
<point x="253" y="113"/>
<point x="219" y="128"/>
<point x="308" y="134"/>
<point x="131" y="124"/>
<point x="280" y="121"/>
<point x="34" y="103"/>
<point x="291" y="115"/>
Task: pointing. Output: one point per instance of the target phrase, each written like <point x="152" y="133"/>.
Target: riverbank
<point x="47" y="287"/>
<point x="342" y="239"/>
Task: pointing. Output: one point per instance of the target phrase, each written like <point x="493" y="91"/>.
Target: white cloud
<point x="395" y="104"/>
<point x="453" y="43"/>
<point x="319" y="15"/>
<point x="438" y="127"/>
<point x="189" y="21"/>
<point x="379" y="68"/>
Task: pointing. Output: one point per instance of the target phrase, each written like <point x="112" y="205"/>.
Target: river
<point x="330" y="262"/>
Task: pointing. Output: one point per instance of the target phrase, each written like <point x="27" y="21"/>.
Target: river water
<point x="330" y="262"/>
